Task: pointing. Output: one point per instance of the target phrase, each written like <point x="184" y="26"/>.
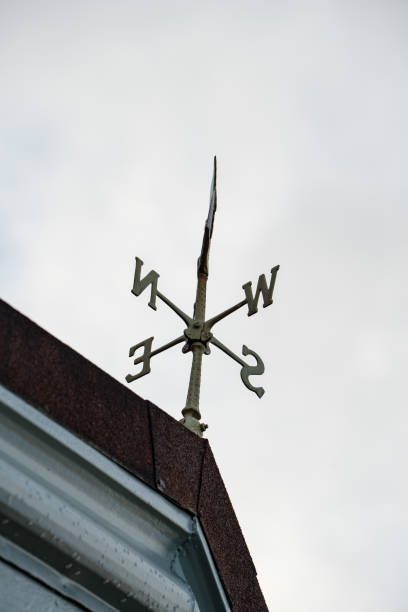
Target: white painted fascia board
<point x="108" y="528"/>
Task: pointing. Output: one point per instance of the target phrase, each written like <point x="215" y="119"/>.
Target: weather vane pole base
<point x="193" y="424"/>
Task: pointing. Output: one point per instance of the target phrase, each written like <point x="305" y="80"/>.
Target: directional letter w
<point x="263" y="288"/>
<point x="140" y="284"/>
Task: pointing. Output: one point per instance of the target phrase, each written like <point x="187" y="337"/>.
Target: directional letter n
<point x="263" y="288"/>
<point x="140" y="284"/>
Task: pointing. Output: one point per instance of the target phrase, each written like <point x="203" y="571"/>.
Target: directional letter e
<point x="263" y="288"/>
<point x="140" y="284"/>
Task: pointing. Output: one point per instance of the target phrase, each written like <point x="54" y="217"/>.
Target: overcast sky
<point x="110" y="113"/>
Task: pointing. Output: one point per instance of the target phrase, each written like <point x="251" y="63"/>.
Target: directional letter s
<point x="140" y="284"/>
<point x="248" y="370"/>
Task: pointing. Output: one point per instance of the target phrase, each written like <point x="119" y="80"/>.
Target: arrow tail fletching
<point x="209" y="224"/>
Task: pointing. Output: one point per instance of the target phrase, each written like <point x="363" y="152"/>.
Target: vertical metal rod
<point x="201" y="296"/>
<point x="197" y="345"/>
<point x="193" y="395"/>
<point x="191" y="412"/>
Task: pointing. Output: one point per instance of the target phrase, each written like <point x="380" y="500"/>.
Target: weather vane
<point x="198" y="334"/>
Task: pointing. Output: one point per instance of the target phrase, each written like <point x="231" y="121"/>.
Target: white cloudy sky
<point x="110" y="113"/>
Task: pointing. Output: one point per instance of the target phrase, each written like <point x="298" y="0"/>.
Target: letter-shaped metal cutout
<point x="248" y="370"/>
<point x="263" y="288"/>
<point x="140" y="284"/>
<point x="145" y="358"/>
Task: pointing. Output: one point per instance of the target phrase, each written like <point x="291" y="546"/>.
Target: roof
<point x="134" y="433"/>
